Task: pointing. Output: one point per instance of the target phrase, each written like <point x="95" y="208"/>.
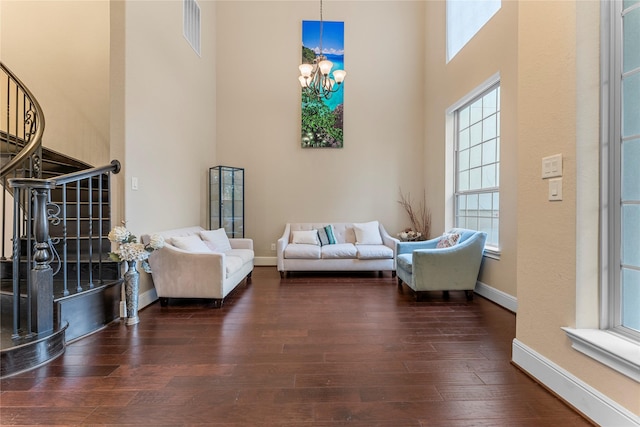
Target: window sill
<point x="493" y="253"/>
<point x="610" y="349"/>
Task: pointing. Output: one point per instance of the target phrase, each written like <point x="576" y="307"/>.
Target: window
<point x="614" y="339"/>
<point x="622" y="176"/>
<point x="464" y="19"/>
<point x="477" y="164"/>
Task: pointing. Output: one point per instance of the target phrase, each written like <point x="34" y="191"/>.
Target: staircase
<point x="57" y="282"/>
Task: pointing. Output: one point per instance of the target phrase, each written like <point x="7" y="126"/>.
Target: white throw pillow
<point x="307" y="237"/>
<point x="192" y="243"/>
<point x="217" y="240"/>
<point x="368" y="233"/>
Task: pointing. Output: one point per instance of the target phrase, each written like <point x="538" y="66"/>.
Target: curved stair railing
<point x="22" y="124"/>
<point x="54" y="229"/>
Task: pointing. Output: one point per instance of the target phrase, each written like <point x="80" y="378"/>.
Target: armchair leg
<point x="164" y="302"/>
<point x="282" y="274"/>
<point x="393" y="273"/>
<point x="399" y="282"/>
<point x="469" y="295"/>
<point x="445" y="294"/>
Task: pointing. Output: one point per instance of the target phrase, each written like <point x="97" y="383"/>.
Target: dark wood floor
<point x="311" y="350"/>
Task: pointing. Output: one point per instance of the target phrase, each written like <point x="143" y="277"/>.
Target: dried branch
<point x="420" y="218"/>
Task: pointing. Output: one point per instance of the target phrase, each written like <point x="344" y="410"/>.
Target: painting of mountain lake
<point x="322" y="118"/>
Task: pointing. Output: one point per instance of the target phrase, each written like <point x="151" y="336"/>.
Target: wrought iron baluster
<point x="17" y="193"/>
<point x="65" y="237"/>
<point x="29" y="244"/>
<point x="90" y="230"/>
<point x="100" y="229"/>
<point x="78" y="287"/>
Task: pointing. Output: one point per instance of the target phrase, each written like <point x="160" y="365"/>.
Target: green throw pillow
<point x="326" y="235"/>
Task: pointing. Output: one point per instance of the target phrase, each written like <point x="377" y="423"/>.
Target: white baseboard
<point x="265" y="261"/>
<point x="144" y="299"/>
<point x="501" y="298"/>
<point x="589" y="401"/>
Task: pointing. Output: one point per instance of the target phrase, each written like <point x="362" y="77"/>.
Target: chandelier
<point x="316" y="79"/>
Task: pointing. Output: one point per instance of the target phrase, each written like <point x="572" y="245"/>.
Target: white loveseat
<point x="355" y="247"/>
<point x="199" y="263"/>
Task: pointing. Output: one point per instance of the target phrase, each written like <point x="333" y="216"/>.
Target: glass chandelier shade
<point x="316" y="79"/>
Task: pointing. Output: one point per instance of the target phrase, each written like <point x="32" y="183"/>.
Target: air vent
<point x="191" y="23"/>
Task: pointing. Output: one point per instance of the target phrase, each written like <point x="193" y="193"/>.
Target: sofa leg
<point x="380" y="273"/>
<point x="393" y="273"/>
<point x="164" y="302"/>
<point x="282" y="274"/>
<point x="469" y="295"/>
<point x="399" y="282"/>
<point x="217" y="303"/>
<point x="445" y="294"/>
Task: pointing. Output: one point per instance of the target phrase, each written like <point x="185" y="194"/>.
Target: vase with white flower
<point x="129" y="250"/>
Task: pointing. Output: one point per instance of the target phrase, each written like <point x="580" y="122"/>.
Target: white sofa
<point x="357" y="247"/>
<point x="199" y="263"/>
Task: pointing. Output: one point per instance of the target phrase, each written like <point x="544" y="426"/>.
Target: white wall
<point x="65" y="63"/>
<point x="258" y="114"/>
<point x="533" y="45"/>
<point x="550" y="121"/>
<point x="493" y="50"/>
<point x="164" y="117"/>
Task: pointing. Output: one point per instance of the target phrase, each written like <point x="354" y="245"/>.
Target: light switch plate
<point x="555" y="189"/>
<point x="552" y="166"/>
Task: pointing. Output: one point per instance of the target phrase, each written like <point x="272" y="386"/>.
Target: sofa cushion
<point x="307" y="237"/>
<point x="368" y="233"/>
<point x="232" y="264"/>
<point x="246" y="255"/>
<point x="405" y="262"/>
<point x="217" y="240"/>
<point x="192" y="243"/>
<point x="340" y="251"/>
<point x="302" y="251"/>
<point x="326" y="235"/>
<point x="374" y="251"/>
<point x="447" y="240"/>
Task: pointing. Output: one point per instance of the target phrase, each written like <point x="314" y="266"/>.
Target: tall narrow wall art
<point x="322" y="118"/>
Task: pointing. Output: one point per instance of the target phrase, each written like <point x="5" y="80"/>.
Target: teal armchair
<point x="425" y="267"/>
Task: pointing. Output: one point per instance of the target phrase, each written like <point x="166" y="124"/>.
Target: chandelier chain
<point x="321" y="21"/>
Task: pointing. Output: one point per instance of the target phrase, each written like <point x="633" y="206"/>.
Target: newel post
<point x="41" y="273"/>
<point x="40" y="293"/>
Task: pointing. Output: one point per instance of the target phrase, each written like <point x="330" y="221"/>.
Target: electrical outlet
<point x="273" y="246"/>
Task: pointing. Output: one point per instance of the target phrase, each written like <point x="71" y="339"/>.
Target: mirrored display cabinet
<point x="226" y="199"/>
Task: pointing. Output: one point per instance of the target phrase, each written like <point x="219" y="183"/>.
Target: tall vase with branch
<point x="419" y="217"/>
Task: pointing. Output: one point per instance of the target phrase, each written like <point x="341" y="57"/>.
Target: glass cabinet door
<point x="226" y="203"/>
